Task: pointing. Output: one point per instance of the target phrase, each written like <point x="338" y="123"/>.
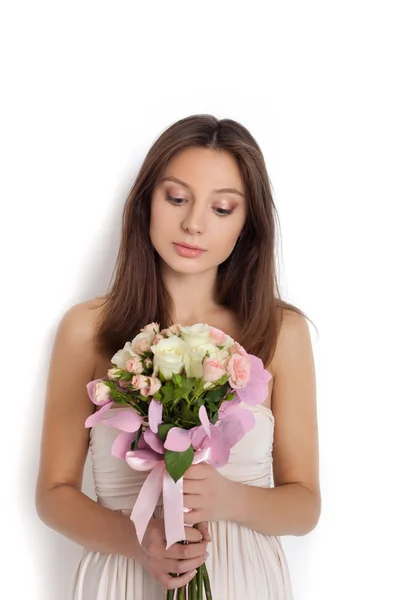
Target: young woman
<point x="198" y="243"/>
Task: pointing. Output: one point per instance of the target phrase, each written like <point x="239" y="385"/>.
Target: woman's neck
<point x="193" y="295"/>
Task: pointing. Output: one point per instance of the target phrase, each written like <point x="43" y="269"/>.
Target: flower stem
<point x="199" y="581"/>
<point x="207" y="586"/>
<point x="181" y="593"/>
<point x="193" y="588"/>
<point x="137" y="407"/>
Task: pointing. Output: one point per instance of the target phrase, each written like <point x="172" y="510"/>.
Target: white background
<point x="86" y="88"/>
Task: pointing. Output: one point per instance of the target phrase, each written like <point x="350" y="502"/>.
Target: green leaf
<point x="178" y="462"/>
<point x="143" y="398"/>
<point x="177" y="380"/>
<point x="215" y="395"/>
<point x="135" y="442"/>
<point x="167" y="392"/>
<point x="189" y="416"/>
<point x="214" y="418"/>
<point x="230" y="396"/>
<point x="125" y="376"/>
<point x="163" y="429"/>
<point x="177" y="393"/>
<point x="120" y="397"/>
<point x="187" y="384"/>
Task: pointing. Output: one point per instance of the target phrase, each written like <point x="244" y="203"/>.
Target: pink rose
<point x="213" y="369"/>
<point x="238" y="349"/>
<point x="239" y="371"/>
<point x="170" y="331"/>
<point x="113" y="373"/>
<point x="102" y="393"/>
<point x="143" y="345"/>
<point x="153" y="385"/>
<point x="139" y="382"/>
<point x="157" y="338"/>
<point x="151" y="328"/>
<point x="134" y="365"/>
<point x="148" y="386"/>
<point x="217" y="336"/>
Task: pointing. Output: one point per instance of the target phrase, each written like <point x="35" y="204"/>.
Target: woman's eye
<point x="176" y="201"/>
<point x="222" y="212"/>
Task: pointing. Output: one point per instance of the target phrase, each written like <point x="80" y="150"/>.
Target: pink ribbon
<point x="160" y="480"/>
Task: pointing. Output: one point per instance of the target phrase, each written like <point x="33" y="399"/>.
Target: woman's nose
<point x="193" y="222"/>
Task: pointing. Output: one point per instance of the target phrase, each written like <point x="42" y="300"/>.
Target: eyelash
<point x="225" y="211"/>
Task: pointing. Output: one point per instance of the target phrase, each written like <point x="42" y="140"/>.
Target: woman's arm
<point x="60" y="503"/>
<point x="69" y="511"/>
<point x="293" y="506"/>
<point x="289" y="509"/>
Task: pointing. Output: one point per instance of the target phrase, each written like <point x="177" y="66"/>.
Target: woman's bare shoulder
<point x="92" y="306"/>
<point x="73" y="365"/>
<point x="81" y="319"/>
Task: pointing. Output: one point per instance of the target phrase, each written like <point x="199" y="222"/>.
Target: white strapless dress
<point x="242" y="562"/>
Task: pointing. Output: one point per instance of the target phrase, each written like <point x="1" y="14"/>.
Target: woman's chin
<point x="185" y="266"/>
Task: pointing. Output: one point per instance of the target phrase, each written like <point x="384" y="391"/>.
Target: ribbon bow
<point x="160" y="480"/>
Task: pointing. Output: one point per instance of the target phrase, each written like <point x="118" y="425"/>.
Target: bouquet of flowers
<point x="185" y="390"/>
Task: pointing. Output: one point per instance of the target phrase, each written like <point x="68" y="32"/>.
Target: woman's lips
<point x="188" y="252"/>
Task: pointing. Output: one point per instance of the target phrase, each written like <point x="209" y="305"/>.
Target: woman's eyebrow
<point x="186" y="185"/>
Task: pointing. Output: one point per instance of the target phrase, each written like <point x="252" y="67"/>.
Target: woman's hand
<point x="179" y="558"/>
<point x="208" y="494"/>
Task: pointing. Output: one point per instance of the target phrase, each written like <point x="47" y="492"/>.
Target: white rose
<point x="169" y="356"/>
<point x="213" y="352"/>
<point x="196" y="335"/>
<point x="222" y="355"/>
<point x="121" y="357"/>
<point x="198" y="338"/>
<point x="193" y="363"/>
<point x="195" y="356"/>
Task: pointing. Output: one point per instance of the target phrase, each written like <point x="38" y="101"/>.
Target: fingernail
<point x="206" y="555"/>
<point x="193" y="573"/>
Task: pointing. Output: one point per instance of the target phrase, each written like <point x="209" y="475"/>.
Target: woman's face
<point x="198" y="201"/>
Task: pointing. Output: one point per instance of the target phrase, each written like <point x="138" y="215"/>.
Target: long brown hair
<point x="247" y="280"/>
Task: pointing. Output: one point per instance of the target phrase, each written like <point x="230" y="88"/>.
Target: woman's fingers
<point x="193" y="534"/>
<point x="182" y="559"/>
<point x="203" y="527"/>
<point x="194" y="516"/>
<point x="171" y="583"/>
<point x="193" y="501"/>
<point x="184" y="551"/>
<point x="192" y="486"/>
<point x="182" y="566"/>
<point x="184" y="569"/>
